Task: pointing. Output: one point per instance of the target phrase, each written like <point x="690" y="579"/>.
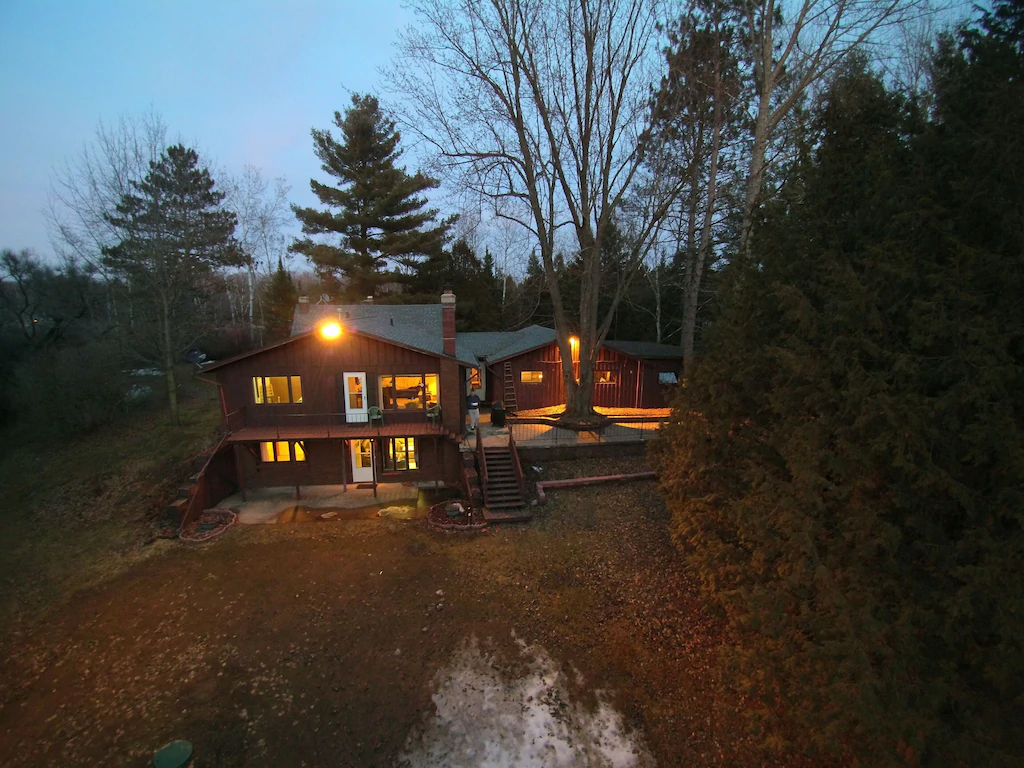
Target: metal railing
<point x="530" y="434"/>
<point x="247" y="417"/>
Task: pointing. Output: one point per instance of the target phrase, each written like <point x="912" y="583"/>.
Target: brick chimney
<point x="448" y="321"/>
<point x="303" y="304"/>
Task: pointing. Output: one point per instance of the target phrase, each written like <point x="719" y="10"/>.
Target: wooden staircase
<point x="510" y="390"/>
<point x="504" y="490"/>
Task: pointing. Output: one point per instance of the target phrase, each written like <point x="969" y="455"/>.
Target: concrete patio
<point x="266" y="505"/>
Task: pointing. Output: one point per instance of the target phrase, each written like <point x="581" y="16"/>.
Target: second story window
<point x="276" y="390"/>
<point x="413" y="391"/>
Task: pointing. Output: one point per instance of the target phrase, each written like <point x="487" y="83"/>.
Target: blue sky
<point x="242" y="81"/>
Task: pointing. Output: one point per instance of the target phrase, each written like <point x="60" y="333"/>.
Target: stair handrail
<point x="520" y="480"/>
<point x="481" y="461"/>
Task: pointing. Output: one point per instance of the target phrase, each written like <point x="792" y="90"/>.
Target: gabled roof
<point x="499" y="345"/>
<point x="417" y="326"/>
<point x="646" y="349"/>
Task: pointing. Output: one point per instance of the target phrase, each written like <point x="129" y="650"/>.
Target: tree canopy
<point x="845" y="470"/>
<point x="172" y="230"/>
<point x="375" y="207"/>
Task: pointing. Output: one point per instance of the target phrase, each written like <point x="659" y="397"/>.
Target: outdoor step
<point x="503" y="498"/>
<point x="502" y="488"/>
<point x="497" y="515"/>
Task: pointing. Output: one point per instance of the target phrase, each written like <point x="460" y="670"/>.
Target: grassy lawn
<point x="324" y="643"/>
<point x="74" y="513"/>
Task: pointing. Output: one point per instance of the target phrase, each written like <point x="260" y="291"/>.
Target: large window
<point x="408" y="391"/>
<point x="532" y="377"/>
<point x="282" y="450"/>
<point x="400" y="454"/>
<point x="275" y="390"/>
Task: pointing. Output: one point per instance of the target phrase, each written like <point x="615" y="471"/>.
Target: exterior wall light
<point x="330" y="330"/>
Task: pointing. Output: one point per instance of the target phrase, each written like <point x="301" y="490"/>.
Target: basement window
<point x="276" y="390"/>
<point x="400" y="454"/>
<point x="531" y="377"/>
<point x="282" y="450"/>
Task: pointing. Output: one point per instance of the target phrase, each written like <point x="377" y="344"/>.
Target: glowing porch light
<point x="330" y="330"/>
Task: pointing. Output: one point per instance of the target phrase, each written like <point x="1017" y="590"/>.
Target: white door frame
<point x="355" y="415"/>
<point x="361" y="474"/>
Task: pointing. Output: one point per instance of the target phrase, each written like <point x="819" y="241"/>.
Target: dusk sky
<point x="242" y="81"/>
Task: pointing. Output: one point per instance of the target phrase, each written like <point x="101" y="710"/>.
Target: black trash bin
<point x="498" y="414"/>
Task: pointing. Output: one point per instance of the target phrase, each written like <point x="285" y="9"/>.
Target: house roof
<point x="417" y="326"/>
<point x="646" y="349"/>
<point x="499" y="345"/>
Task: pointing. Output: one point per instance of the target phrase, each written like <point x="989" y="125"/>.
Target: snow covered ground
<point x="486" y="719"/>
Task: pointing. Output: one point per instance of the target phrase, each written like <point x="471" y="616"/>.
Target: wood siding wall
<point x="329" y="462"/>
<point x="634" y="381"/>
<point x="321" y="365"/>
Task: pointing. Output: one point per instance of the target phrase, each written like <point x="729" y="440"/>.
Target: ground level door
<point x="362" y="460"/>
<point x="355" y="398"/>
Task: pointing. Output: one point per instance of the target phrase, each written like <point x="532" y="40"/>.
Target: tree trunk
<point x="172" y="384"/>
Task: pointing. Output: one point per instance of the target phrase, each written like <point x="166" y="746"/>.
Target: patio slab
<point x="265" y="505"/>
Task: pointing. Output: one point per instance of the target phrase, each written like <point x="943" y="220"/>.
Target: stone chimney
<point x="448" y="321"/>
<point x="303" y="304"/>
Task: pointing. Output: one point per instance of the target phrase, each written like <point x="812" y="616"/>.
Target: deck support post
<point x="373" y="462"/>
<point x="344" y="474"/>
<point x="239" y="471"/>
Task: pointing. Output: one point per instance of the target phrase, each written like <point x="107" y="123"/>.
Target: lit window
<point x="400" y="454"/>
<point x="603" y="377"/>
<point x="531" y="377"/>
<point x="282" y="450"/>
<point x="408" y="392"/>
<point x="275" y="390"/>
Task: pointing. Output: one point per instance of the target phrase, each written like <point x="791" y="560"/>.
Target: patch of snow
<point x="484" y="719"/>
<point x="146" y="372"/>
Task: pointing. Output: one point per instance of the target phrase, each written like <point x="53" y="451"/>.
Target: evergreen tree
<point x="376" y="208"/>
<point x="852" y="492"/>
<point x="172" y="232"/>
<point x="279" y="297"/>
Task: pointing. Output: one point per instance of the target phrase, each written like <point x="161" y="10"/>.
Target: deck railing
<point x="633" y="431"/>
<point x="247" y="416"/>
<point x="520" y="479"/>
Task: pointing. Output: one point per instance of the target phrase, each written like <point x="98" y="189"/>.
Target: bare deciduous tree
<point x="544" y="109"/>
<point x="794" y="44"/>
<point x="261" y="207"/>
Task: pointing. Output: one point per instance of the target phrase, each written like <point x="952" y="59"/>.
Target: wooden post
<point x="295" y="469"/>
<point x="344" y="475"/>
<point x="239" y="472"/>
<point x="373" y="463"/>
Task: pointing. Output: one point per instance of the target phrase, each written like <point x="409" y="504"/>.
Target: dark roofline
<point x="346" y="330"/>
<point x="521" y="352"/>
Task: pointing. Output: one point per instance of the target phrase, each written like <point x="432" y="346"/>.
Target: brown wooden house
<point x="358" y="394"/>
<point x="523" y="369"/>
<point x="373" y="393"/>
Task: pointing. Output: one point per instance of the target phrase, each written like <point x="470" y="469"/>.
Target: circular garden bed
<point x="455" y="515"/>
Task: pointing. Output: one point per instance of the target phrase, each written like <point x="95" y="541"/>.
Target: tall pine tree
<point x="173" y="231"/>
<point x="375" y="207"/>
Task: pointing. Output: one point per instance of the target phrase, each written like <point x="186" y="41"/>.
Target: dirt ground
<point x="321" y="644"/>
